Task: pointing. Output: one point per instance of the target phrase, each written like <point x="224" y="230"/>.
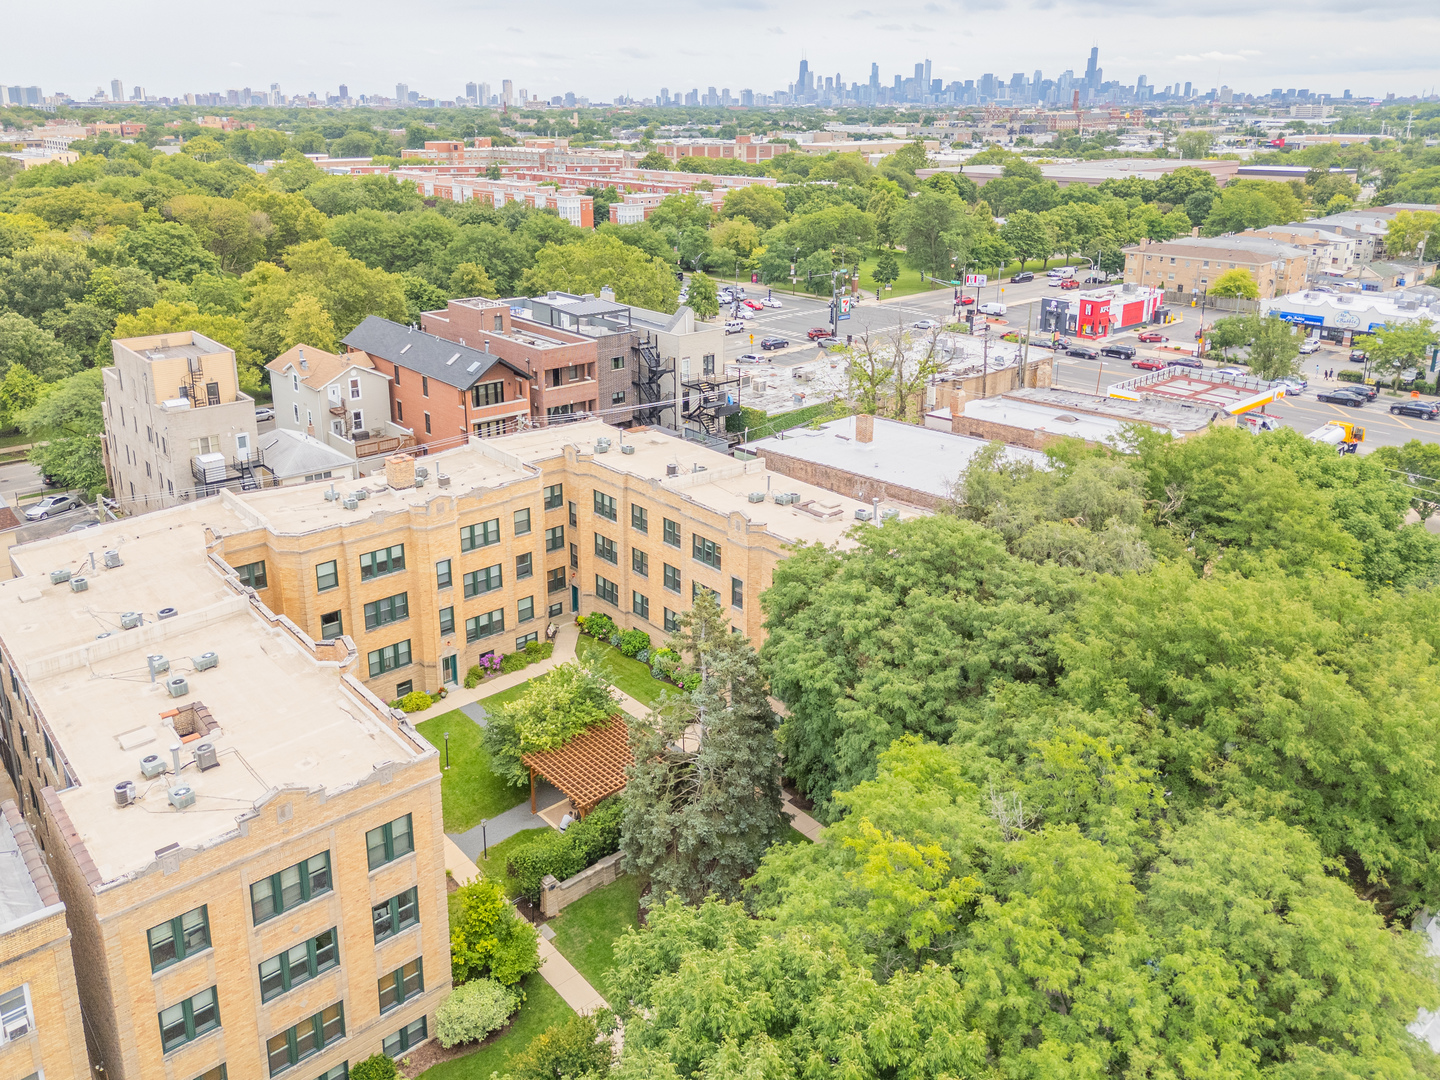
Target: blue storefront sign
<point x="1298" y="317"/>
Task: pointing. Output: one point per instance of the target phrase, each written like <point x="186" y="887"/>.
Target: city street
<point x="1302" y="412"/>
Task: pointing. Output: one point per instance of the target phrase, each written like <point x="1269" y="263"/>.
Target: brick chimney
<point x="864" y="428"/>
<point x="400" y="471"/>
<point x="957" y="409"/>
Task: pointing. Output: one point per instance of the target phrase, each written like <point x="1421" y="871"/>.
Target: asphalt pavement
<point x="1301" y="412"/>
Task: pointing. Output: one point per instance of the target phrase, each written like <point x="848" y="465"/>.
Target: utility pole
<point x="985" y="354"/>
<point x="1025" y="347"/>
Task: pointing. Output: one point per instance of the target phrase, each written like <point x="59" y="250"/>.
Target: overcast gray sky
<point x="436" y="46"/>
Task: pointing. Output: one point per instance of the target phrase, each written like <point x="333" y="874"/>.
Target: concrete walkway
<point x="808" y="826"/>
<point x="460" y="697"/>
<point x="568" y="983"/>
<point x="505" y="825"/>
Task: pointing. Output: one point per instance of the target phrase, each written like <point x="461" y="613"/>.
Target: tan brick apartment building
<point x="508" y="533"/>
<point x="247" y="843"/>
<point x="41" y="1032"/>
<point x="1192" y="264"/>
<point x="442" y="391"/>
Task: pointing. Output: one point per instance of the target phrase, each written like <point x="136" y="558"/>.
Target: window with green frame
<point x="253" y="575"/>
<point x="290" y="888"/>
<point x="706" y="551"/>
<point x="305" y="1039"/>
<point x="412" y="1034"/>
<point x="555" y="538"/>
<point x="554" y="496"/>
<point x="387" y="609"/>
<point x="605" y="548"/>
<point x="396" y="914"/>
<point x="327" y="576"/>
<point x="339" y="1072"/>
<point x="481" y="626"/>
<point x="479" y="582"/>
<point x="639" y="518"/>
<point x="187" y="1021"/>
<point x="299" y="964"/>
<point x="447" y="620"/>
<point x="388" y="560"/>
<point x="389" y="841"/>
<point x="481" y="535"/>
<point x="217" y="1073"/>
<point x="605" y="506"/>
<point x="671" y="532"/>
<point x="389" y="658"/>
<point x="185" y="935"/>
<point x="401" y="985"/>
<point x="607" y="590"/>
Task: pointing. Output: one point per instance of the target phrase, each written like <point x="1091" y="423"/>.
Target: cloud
<point x="1216" y="57"/>
<point x="633" y="53"/>
<point x="916" y="28"/>
<point x="862" y="14"/>
<point x="934" y="9"/>
<point x="891" y="26"/>
<point x="775" y="30"/>
<point x="513" y="30"/>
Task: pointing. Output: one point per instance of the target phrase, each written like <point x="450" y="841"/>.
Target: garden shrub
<point x="514" y="662"/>
<point x="598" y="625"/>
<point x="415" y="701"/>
<point x="473" y="677"/>
<point x="554" y="708"/>
<point x="375" y="1067"/>
<point x="1349" y="375"/>
<point x="615" y="639"/>
<point x="539" y="650"/>
<point x="570" y="1049"/>
<point x="565" y="854"/>
<point x="488" y="938"/>
<point x="473" y="1011"/>
<point x="632" y="641"/>
<point x="643" y="656"/>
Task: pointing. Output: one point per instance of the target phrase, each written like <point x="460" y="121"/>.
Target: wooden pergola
<point x="588" y="768"/>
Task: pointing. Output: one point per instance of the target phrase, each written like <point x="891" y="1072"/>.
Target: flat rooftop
<point x="1231" y="394"/>
<point x="711" y="479"/>
<point x="1044" y="418"/>
<point x="19" y="896"/>
<point x="902" y="454"/>
<point x="1173" y="416"/>
<point x="281" y="718"/>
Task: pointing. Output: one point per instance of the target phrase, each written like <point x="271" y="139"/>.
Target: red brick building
<point x="443" y="391"/>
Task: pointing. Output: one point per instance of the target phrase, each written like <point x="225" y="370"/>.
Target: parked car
<point x="1119" y="352"/>
<point x="774" y="343"/>
<point x="966" y="301"/>
<point x="1082" y="351"/>
<point x="1369" y="392"/>
<point x="1426" y="410"/>
<point x="1357" y="356"/>
<point x="1149" y="365"/>
<point x="1186" y="361"/>
<point x="83" y="525"/>
<point x="265" y="412"/>
<point x="815" y="333"/>
<point x="734" y="326"/>
<point x="828" y="342"/>
<point x="1294" y="384"/>
<point x="1308" y="346"/>
<point x="1231" y="371"/>
<point x="751" y="358"/>
<point x="51" y="505"/>
<point x="992" y="307"/>
<point x="925" y="324"/>
<point x="771" y="302"/>
<point x="1342" y="396"/>
<point x="1023" y="275"/>
<point x="1409" y="375"/>
<point x="1069" y="283"/>
<point x="1153" y="337"/>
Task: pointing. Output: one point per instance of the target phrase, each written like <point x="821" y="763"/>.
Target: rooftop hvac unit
<point x="151" y="766"/>
<point x="213" y="466"/>
<point x="129" y="620"/>
<point x="757" y="496"/>
<point x="442" y="480"/>
<point x="672" y="470"/>
<point x="112" y="560"/>
<point x="864" y="513"/>
<point x="177" y="686"/>
<point x="626" y="448"/>
<point x="362" y="494"/>
<point x="78" y="584"/>
<point x="125" y="793"/>
<point x="167" y="612"/>
<point x="794" y="497"/>
<point x="182" y="796"/>
<point x="782" y="498"/>
<point x="331" y="494"/>
<point x="205" y="661"/>
<point x="422" y="473"/>
<point x="350" y="503"/>
<point x="889" y="514"/>
<point x="158" y="664"/>
<point x="205" y="756"/>
<point x="57" y="576"/>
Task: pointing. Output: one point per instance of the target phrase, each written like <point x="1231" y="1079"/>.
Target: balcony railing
<point x="388" y="444"/>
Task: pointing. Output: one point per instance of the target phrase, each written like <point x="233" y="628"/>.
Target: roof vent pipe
<point x="175" y="756"/>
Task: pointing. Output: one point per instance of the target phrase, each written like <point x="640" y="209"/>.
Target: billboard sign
<point x="976" y="281"/>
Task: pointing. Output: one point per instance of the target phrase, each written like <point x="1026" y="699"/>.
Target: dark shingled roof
<point x="445" y="361"/>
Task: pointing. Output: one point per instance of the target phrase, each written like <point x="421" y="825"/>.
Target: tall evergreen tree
<point x="703" y="799"/>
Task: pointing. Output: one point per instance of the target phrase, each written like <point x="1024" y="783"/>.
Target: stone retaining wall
<point x="555" y="895"/>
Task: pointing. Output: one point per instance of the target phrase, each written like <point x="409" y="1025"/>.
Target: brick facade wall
<point x="844" y="482"/>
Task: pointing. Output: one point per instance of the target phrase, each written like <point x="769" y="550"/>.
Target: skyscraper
<point x="875" y="77"/>
<point x="507" y="93"/>
<point x="402" y="93"/>
<point x="117" y="90"/>
<point x="344" y="92"/>
<point x="471" y="90"/>
<point x="802" y="84"/>
<point x="926" y="83"/>
<point x="1092" y="72"/>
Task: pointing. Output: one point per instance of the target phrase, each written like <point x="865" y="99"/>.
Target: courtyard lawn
<point x="470" y="790"/>
<point x="794" y="836"/>
<point x="586" y="931"/>
<point x="542" y="1008"/>
<point x="630" y="676"/>
<point x="493" y="868"/>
